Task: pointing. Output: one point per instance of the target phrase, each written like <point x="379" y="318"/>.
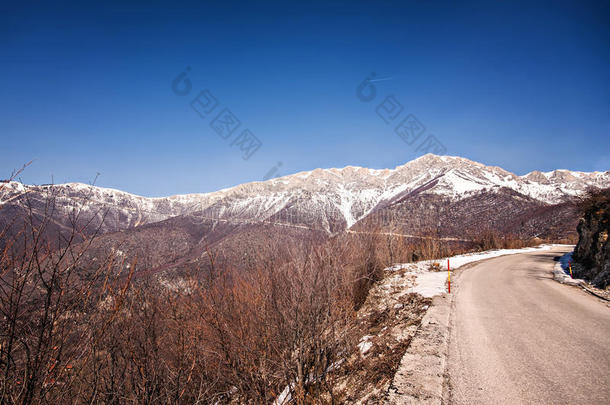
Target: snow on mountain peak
<point x="348" y="193"/>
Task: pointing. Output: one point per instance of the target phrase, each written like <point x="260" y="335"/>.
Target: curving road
<point x="519" y="337"/>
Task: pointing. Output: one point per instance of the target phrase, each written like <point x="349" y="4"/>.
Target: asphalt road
<point x="518" y="336"/>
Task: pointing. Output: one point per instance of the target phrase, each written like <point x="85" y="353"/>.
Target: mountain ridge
<point x="330" y="199"/>
<point x="307" y="173"/>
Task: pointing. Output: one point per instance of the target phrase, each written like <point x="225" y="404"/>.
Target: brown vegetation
<point x="489" y="239"/>
<point x="49" y="317"/>
<point x="72" y="334"/>
<point x="286" y="320"/>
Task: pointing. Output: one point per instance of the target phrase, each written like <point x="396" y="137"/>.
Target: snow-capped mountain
<point x="328" y="199"/>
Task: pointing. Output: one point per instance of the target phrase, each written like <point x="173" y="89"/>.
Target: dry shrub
<point x="278" y="327"/>
<point x="595" y="200"/>
<point x="227" y="336"/>
<point x="489" y="239"/>
<point x="76" y="334"/>
<point x="49" y="318"/>
<point x="366" y="266"/>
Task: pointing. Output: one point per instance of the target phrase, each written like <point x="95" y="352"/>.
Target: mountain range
<point x="443" y="196"/>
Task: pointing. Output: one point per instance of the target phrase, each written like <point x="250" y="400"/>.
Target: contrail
<point x="380" y="80"/>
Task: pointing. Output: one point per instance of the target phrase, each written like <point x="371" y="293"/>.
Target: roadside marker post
<point x="448" y="278"/>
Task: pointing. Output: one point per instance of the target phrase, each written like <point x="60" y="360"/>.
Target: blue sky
<point x="87" y="89"/>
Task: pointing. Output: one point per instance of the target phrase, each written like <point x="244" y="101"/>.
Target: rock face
<point x="593" y="249"/>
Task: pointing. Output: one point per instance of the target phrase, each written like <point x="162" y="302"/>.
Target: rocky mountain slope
<point x="328" y="199"/>
<point x="434" y="196"/>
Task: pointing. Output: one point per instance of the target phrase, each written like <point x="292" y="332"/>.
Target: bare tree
<point x="46" y="299"/>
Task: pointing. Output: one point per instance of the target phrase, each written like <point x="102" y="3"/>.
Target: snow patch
<point x="561" y="271"/>
<point x="365" y="344"/>
<point x="431" y="283"/>
<point x="284" y="397"/>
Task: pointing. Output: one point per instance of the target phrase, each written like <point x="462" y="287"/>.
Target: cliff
<point x="593" y="249"/>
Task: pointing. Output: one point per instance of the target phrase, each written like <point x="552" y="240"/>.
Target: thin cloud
<point x="381" y="79"/>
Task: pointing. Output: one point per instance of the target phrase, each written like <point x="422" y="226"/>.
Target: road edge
<point x="420" y="378"/>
